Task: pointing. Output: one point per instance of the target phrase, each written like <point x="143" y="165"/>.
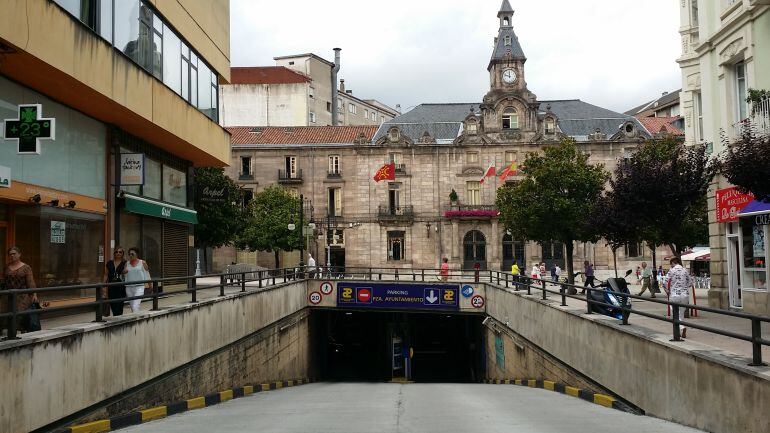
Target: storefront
<point x="52" y="208"/>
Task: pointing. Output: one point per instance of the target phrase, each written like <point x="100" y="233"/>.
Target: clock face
<point x="509" y="76"/>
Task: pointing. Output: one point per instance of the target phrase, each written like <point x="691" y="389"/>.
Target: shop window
<point x="174" y="186"/>
<point x="396" y="246"/>
<point x="754" y="254"/>
<point x="152" y="179"/>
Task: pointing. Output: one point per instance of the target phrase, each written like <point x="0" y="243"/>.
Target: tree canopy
<point x="218" y="222"/>
<point x="555" y="199"/>
<point x="268" y="217"/>
<point x="747" y="164"/>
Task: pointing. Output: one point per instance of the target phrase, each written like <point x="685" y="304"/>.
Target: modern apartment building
<point x="300" y="90"/>
<point x="108" y="106"/>
<point x="725" y="52"/>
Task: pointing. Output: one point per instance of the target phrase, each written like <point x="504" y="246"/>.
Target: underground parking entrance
<point x="360" y="345"/>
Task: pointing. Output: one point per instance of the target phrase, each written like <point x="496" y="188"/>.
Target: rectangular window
<point x="474" y="193"/>
<point x="699" y="117"/>
<point x="172" y="63"/>
<point x="754" y="254"/>
<point x="335" y="202"/>
<point x="311" y="92"/>
<point x="374" y="116"/>
<point x="174" y="186"/>
<point x="740" y="90"/>
<point x="291" y="166"/>
<point x="311" y="117"/>
<point x="509" y="157"/>
<point x="340" y="106"/>
<point x="366" y="113"/>
<point x="633" y="249"/>
<point x="396" y="245"/>
<point x="334" y="164"/>
<point x="471" y="158"/>
<point x="395" y="157"/>
<point x="394" y="198"/>
<point x="204" y="89"/>
<point x="335" y="237"/>
<point x="351" y="108"/>
<point x="694" y="13"/>
<point x="245" y="166"/>
<point x="153" y="179"/>
<point x="329" y="107"/>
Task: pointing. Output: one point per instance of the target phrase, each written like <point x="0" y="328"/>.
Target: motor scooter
<point x="614" y="303"/>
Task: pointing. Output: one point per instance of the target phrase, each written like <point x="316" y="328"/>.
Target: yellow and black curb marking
<point x="142" y="416"/>
<point x="593" y="397"/>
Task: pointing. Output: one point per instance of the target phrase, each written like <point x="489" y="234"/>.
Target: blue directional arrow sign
<point x="431" y="296"/>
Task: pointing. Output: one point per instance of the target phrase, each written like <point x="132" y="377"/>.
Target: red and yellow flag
<point x="509" y="171"/>
<point x="386" y="172"/>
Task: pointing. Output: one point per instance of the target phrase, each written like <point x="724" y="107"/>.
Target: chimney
<point x="664" y="93"/>
<point x="335" y="69"/>
<point x="398" y="108"/>
<point x="342" y="85"/>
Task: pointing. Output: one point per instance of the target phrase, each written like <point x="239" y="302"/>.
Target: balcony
<point x="471" y="212"/>
<point x="758" y="121"/>
<point x="246" y="176"/>
<point x="386" y="213"/>
<point x="288" y="177"/>
<point x="334" y="174"/>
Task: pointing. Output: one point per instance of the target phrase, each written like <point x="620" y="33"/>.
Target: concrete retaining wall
<point x="688" y="383"/>
<point x="60" y="372"/>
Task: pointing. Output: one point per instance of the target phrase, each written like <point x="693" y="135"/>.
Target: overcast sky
<point x="613" y="53"/>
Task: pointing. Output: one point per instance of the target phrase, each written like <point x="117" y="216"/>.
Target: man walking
<point x="588" y="270"/>
<point x="646" y="276"/>
<point x="679" y="283"/>
<point x="311" y="265"/>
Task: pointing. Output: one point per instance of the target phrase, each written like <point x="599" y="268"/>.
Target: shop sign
<point x="207" y="194"/>
<point x="762" y="220"/>
<point x="58" y="232"/>
<point x="158" y="209"/>
<point x="132" y="169"/>
<point x="29" y="129"/>
<point x="401" y="296"/>
<point x="730" y="202"/>
<point x="5" y="177"/>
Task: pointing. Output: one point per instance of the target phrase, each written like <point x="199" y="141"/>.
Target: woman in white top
<point x="536" y="270"/>
<point x="135" y="270"/>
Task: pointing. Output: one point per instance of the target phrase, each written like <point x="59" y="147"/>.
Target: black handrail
<point x="502" y="280"/>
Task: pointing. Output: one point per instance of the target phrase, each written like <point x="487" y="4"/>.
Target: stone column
<point x="456" y="241"/>
<point x="494" y="251"/>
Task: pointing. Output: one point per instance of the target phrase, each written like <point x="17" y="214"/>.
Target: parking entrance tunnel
<point x="384" y="346"/>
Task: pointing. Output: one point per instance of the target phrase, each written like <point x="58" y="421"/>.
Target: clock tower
<point x="509" y="106"/>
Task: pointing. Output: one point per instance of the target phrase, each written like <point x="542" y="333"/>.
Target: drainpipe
<point x="335" y="69"/>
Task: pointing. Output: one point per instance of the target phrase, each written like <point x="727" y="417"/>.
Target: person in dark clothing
<point x="115" y="269"/>
<point x="589" y="274"/>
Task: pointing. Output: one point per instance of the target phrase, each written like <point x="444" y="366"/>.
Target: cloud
<point x="613" y="53"/>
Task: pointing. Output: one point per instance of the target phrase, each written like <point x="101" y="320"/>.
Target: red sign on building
<point x="730" y="202"/>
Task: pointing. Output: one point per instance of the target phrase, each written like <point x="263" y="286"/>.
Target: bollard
<point x="498" y="278"/>
<point x="675" y="317"/>
<point x="529" y="287"/>
<point x="588" y="300"/>
<point x="155" y="296"/>
<point x="99" y="317"/>
<point x="274" y="278"/>
<point x="563" y="293"/>
<point x="756" y="346"/>
<point x="222" y="285"/>
<point x="243" y="281"/>
<point x="544" y="294"/>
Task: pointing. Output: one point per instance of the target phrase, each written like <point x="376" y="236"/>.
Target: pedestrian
<point x="554" y="274"/>
<point x="515" y="269"/>
<point x="588" y="270"/>
<point x="646" y="276"/>
<point x="543" y="270"/>
<point x="17" y="276"/>
<point x="638" y="274"/>
<point x="135" y="270"/>
<point x="678" y="288"/>
<point x="311" y="265"/>
<point x="444" y="269"/>
<point x="115" y="268"/>
<point x="536" y="271"/>
<point x="558" y="273"/>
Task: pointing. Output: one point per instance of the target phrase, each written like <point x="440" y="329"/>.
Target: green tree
<point x="555" y="199"/>
<point x="268" y="217"/>
<point x="614" y="224"/>
<point x="747" y="163"/>
<point x="218" y="223"/>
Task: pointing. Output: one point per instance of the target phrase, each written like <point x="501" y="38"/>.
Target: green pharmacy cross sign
<point x="29" y="129"/>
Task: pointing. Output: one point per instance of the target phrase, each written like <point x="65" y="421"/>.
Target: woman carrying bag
<point x="136" y="270"/>
<point x="115" y="268"/>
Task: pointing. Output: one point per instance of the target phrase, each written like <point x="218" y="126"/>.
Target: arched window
<point x="510" y="118"/>
<point x="505" y="22"/>
<point x="474" y="250"/>
<point x="507" y="40"/>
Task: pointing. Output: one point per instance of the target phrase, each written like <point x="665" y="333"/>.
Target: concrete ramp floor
<point x="399" y="408"/>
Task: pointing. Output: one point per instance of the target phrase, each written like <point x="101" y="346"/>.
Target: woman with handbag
<point x="115" y="268"/>
<point x="18" y="275"/>
<point x="135" y="270"/>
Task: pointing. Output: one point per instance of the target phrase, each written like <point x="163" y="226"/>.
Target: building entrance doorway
<point x="513" y="251"/>
<point x="733" y="272"/>
<point x="474" y="250"/>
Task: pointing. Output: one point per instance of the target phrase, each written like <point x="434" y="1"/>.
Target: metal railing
<point x="502" y="280"/>
<point x="758" y="120"/>
<point x="287" y="176"/>
<point x="395" y="212"/>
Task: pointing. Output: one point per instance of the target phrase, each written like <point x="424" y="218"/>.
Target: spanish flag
<point x="386" y="172"/>
<point x="509" y="171"/>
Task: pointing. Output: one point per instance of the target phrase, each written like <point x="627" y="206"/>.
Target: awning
<point x="756" y="207"/>
<point x="699" y="255"/>
<point x="159" y="209"/>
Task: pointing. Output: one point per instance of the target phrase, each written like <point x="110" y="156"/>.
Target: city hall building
<point x="106" y="107"/>
<point x="412" y="220"/>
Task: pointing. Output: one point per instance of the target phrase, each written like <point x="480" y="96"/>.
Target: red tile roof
<point x="240" y="135"/>
<point x="654" y="125"/>
<point x="267" y="75"/>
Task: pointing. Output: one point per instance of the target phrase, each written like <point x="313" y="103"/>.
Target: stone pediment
<point x="472" y="170"/>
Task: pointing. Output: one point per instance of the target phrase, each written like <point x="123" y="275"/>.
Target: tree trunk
<point x="654" y="268"/>
<point x="615" y="261"/>
<point x="570" y="247"/>
<point x="275" y="252"/>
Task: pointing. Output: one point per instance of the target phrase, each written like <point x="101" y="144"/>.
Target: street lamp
<point x="291" y="226"/>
